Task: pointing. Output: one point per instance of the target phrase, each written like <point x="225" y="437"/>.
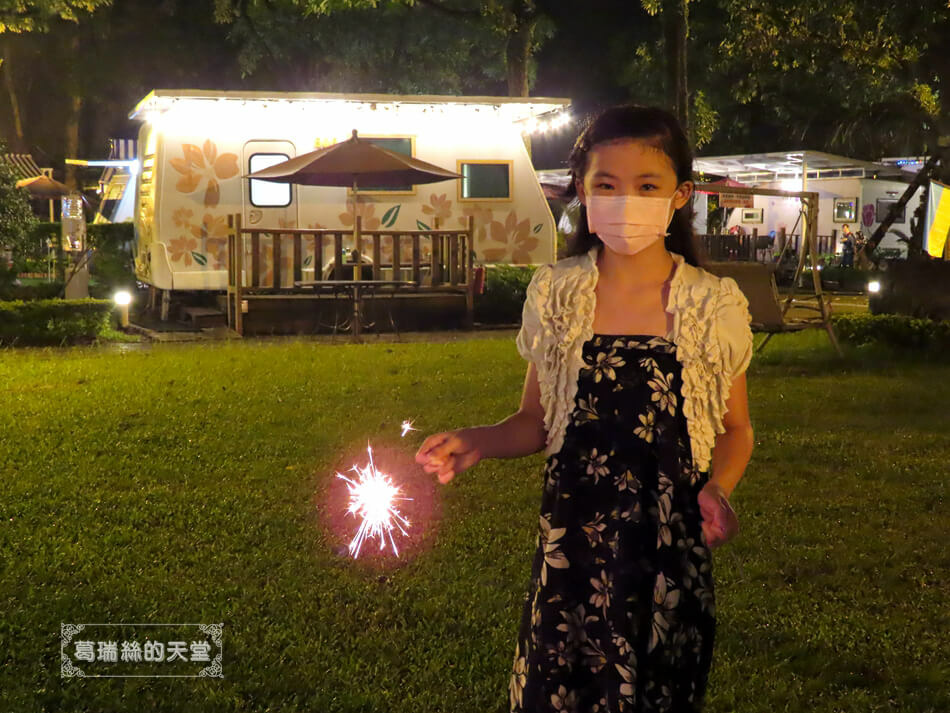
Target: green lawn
<point x="194" y="483"/>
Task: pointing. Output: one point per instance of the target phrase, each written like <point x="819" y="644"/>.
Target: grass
<point x="195" y="483"/>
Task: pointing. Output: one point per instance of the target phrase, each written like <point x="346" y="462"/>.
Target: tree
<point x="393" y="48"/>
<point x="857" y="76"/>
<point x="36" y="15"/>
<point x="520" y="24"/>
<point x="19" y="16"/>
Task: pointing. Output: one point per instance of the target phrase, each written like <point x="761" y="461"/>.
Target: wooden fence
<point x="437" y="261"/>
<point x="753" y="247"/>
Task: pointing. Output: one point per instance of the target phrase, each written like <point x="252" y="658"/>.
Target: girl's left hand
<point x="720" y="523"/>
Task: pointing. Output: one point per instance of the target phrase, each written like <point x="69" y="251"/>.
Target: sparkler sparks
<point x="407" y="426"/>
<point x="373" y="499"/>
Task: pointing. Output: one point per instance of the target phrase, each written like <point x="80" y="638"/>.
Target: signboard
<point x="736" y="200"/>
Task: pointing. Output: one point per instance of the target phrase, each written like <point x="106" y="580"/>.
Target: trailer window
<point x="267" y="194"/>
<point x="883" y="207"/>
<point x="484" y="180"/>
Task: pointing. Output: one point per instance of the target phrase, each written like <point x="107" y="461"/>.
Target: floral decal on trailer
<point x="204" y="167"/>
<point x="514" y="239"/>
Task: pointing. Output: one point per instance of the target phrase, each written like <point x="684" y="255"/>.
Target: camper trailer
<point x="196" y="147"/>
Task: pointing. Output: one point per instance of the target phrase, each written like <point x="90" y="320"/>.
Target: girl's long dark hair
<point x="658" y="128"/>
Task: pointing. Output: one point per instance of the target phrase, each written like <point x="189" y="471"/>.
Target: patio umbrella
<point x="352" y="163"/>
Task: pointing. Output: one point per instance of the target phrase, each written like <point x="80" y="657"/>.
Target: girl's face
<point x="634" y="168"/>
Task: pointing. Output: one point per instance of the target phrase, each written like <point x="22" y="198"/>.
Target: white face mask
<point x="629" y="224"/>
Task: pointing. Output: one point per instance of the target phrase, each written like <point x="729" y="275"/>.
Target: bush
<point x="16" y="217"/>
<point x="40" y="291"/>
<point x="916" y="288"/>
<point x="894" y="330"/>
<point x="849" y="279"/>
<point x="503" y="299"/>
<point x="53" y="321"/>
<point x="112" y="264"/>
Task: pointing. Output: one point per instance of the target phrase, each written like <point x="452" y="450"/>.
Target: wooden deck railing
<point x="753" y="247"/>
<point x="447" y="265"/>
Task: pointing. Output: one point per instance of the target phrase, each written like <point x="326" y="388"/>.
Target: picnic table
<point x="356" y="289"/>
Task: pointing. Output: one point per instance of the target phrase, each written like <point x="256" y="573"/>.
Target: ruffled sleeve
<point x="529" y="339"/>
<point x="735" y="334"/>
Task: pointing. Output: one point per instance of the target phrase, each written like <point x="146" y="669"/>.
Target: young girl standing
<point x="636" y="390"/>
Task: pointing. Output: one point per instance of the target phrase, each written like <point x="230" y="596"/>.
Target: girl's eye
<point x="607" y="186"/>
<point x="648" y="186"/>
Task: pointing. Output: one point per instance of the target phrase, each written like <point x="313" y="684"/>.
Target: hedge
<point x="503" y="298"/>
<point x="894" y="330"/>
<point x="53" y="321"/>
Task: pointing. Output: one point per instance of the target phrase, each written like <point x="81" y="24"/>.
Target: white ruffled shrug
<point x="710" y="330"/>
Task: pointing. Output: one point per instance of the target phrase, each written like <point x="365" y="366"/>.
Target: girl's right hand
<point x="448" y="453"/>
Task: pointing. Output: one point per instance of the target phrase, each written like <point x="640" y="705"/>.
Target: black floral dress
<point x="620" y="614"/>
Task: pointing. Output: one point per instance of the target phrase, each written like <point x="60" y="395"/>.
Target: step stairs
<point x="202" y="317"/>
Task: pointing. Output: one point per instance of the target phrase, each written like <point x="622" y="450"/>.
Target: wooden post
<point x="754" y="247"/>
<point x="416" y="267"/>
<point x="376" y="255"/>
<point x="318" y="257"/>
<point x="230" y="258"/>
<point x="397" y="249"/>
<point x="357" y="239"/>
<point x="338" y="256"/>
<point x="298" y="258"/>
<point x="255" y="259"/>
<point x="469" y="246"/>
<point x="235" y="272"/>
<point x="436" y="255"/>
<point x="275" y="242"/>
<point x="239" y="275"/>
<point x="454" y="259"/>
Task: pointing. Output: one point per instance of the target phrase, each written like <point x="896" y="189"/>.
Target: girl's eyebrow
<point x="604" y="174"/>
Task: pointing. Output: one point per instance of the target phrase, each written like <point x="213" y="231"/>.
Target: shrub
<point x="112" y="264"/>
<point x="917" y="288"/>
<point x="40" y="291"/>
<point x="849" y="279"/>
<point x="503" y="299"/>
<point x="16" y="217"/>
<point x="52" y="321"/>
<point x="894" y="330"/>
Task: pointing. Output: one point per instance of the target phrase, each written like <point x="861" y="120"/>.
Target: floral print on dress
<point x="619" y="616"/>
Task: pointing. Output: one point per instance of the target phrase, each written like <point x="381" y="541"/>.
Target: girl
<point x="636" y="389"/>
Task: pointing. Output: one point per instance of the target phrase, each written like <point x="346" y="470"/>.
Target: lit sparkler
<point x="407" y="426"/>
<point x="373" y="498"/>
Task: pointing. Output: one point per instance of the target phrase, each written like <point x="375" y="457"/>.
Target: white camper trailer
<point x="195" y="147"/>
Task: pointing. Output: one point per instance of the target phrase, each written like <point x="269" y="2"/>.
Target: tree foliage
<point x="16" y="217"/>
<point x="860" y="76"/>
<point x="36" y="15"/>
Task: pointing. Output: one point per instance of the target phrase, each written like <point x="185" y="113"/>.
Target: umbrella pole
<point x="356" y="233"/>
